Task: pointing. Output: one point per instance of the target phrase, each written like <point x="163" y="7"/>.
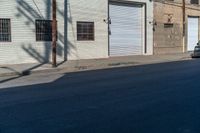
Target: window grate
<point x="43" y="30"/>
<point x="5" y="30"/>
<point x="85" y="31"/>
<point x="194" y="1"/>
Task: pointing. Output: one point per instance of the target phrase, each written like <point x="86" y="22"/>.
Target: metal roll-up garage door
<point x="193" y="32"/>
<point x="126" y="29"/>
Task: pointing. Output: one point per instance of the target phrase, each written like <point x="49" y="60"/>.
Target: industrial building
<point x="87" y="29"/>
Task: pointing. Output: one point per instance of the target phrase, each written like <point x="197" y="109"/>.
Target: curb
<point x="29" y="72"/>
<point x="68" y="69"/>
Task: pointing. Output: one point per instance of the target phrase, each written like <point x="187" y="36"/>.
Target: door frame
<point x="144" y="6"/>
<point x="188" y="29"/>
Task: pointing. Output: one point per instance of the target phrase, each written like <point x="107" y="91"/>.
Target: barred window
<point x="43" y="30"/>
<point x="5" y="30"/>
<point x="194" y="1"/>
<point x="85" y="31"/>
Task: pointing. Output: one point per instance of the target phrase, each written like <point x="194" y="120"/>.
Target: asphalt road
<point x="159" y="98"/>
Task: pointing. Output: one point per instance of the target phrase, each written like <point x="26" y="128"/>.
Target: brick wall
<point x="168" y="28"/>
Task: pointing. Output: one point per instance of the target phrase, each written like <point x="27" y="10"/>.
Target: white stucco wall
<point x="96" y="11"/>
<point x="23" y="48"/>
<point x="149" y="25"/>
<point x="92" y="11"/>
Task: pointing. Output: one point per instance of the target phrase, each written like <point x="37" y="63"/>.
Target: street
<point x="155" y="98"/>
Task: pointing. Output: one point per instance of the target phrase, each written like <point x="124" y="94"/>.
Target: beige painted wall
<point x="170" y="40"/>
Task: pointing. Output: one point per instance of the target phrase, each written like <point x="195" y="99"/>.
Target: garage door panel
<point x="120" y="51"/>
<point x="126" y="30"/>
<point x="125" y="43"/>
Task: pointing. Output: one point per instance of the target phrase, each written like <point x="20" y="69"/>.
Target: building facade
<point x="25" y="27"/>
<point x="170" y="35"/>
<point x="87" y="29"/>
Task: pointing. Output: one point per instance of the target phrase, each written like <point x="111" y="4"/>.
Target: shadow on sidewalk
<point x="18" y="74"/>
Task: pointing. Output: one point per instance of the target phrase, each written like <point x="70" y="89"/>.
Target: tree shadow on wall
<point x="27" y="13"/>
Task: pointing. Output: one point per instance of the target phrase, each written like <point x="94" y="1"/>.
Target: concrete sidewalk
<point x="90" y="64"/>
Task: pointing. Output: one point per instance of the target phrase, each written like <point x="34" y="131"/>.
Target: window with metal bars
<point x="85" y="31"/>
<point x="5" y="30"/>
<point x="194" y="1"/>
<point x="43" y="30"/>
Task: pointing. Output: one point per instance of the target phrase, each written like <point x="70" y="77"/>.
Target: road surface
<point x="157" y="98"/>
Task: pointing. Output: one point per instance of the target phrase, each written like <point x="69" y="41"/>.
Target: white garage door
<point x="193" y="29"/>
<point x="126" y="29"/>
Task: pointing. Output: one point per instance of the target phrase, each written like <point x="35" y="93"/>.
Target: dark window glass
<point x="43" y="30"/>
<point x="85" y="31"/>
<point x="194" y="1"/>
<point x="5" y="30"/>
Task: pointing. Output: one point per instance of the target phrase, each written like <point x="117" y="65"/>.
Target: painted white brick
<point x="25" y="49"/>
